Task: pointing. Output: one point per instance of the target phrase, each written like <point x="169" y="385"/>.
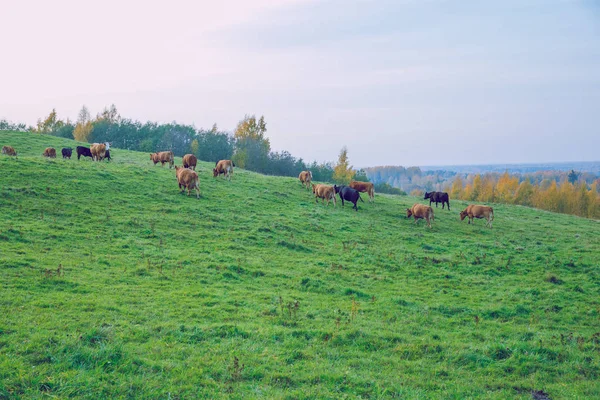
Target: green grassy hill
<point x="255" y="291"/>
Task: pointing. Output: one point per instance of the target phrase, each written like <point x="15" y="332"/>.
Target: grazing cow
<point x="224" y="167"/>
<point x="163" y="157"/>
<point x="474" y="211"/>
<point x="365" y="187"/>
<point x="9" y="151"/>
<point x="187" y="179"/>
<point x="107" y="155"/>
<point x="349" y="194"/>
<point x="420" y="211"/>
<point x="324" y="192"/>
<point x="99" y="150"/>
<point x="83" y="151"/>
<point x="66" y="152"/>
<point x="305" y="178"/>
<point x="190" y="161"/>
<point x="438" y="197"/>
<point x="50" y="152"/>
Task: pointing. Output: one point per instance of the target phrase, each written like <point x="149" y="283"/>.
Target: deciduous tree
<point x="343" y="172"/>
<point x="252" y="147"/>
<point x="84" y="127"/>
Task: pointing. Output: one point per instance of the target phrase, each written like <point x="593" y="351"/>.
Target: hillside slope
<point x="159" y="294"/>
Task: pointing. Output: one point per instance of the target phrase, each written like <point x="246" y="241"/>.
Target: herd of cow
<point x="97" y="151"/>
<point x="352" y="192"/>
<point x="187" y="178"/>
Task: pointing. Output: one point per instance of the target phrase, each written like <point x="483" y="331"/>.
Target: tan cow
<point x="98" y="151"/>
<point x="365" y="187"/>
<point x="190" y="161"/>
<point x="476" y="211"/>
<point x="420" y="211"/>
<point x="50" y="152"/>
<point x="324" y="192"/>
<point x="9" y="151"/>
<point x="305" y="178"/>
<point x="224" y="167"/>
<point x="163" y="157"/>
<point x="187" y="179"/>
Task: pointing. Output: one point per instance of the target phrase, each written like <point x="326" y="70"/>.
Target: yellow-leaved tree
<point x="343" y="171"/>
<point x="84" y="126"/>
<point x="50" y="124"/>
<point x="477" y="187"/>
<point x="457" y="187"/>
<point x="252" y="147"/>
<point x="195" y="146"/>
<point x="506" y="188"/>
<point x="525" y="194"/>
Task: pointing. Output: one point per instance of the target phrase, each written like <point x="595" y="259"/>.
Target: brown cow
<point x="163" y="157"/>
<point x="98" y="150"/>
<point x="365" y="187"/>
<point x="50" y="152"/>
<point x="475" y="211"/>
<point x="9" y="151"/>
<point x="190" y="161"/>
<point x="305" y="178"/>
<point x="420" y="211"/>
<point x="187" y="179"/>
<point x="224" y="167"/>
<point x="324" y="192"/>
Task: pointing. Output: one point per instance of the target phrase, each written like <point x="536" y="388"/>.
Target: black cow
<point x="107" y="155"/>
<point x="66" y="152"/>
<point x="348" y="194"/>
<point x="438" y="197"/>
<point x="83" y="151"/>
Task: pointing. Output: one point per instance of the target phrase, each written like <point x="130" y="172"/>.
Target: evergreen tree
<point x="573" y="176"/>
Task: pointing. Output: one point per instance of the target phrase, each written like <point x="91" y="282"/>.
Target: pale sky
<point x="399" y="82"/>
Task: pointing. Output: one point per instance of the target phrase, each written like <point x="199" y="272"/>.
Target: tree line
<point x="248" y="146"/>
<point x="567" y="192"/>
<point x="570" y="195"/>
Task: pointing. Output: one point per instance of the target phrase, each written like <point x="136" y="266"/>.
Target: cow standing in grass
<point x="224" y="167"/>
<point x="324" y="192"/>
<point x="420" y="211"/>
<point x="187" y="179"/>
<point x="475" y="211"/>
<point x="83" y="151"/>
<point x="9" y="151"/>
<point x="348" y="194"/>
<point x="67" y="152"/>
<point x="365" y="187"/>
<point x="438" y="197"/>
<point x="190" y="161"/>
<point x="305" y="178"/>
<point x="163" y="157"/>
<point x="99" y="150"/>
<point x="50" y="152"/>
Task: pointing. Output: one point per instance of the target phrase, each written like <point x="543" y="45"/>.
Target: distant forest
<point x="581" y="166"/>
<point x="415" y="179"/>
<point x="569" y="192"/>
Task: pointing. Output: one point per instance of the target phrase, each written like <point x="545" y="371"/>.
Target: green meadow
<point x="115" y="285"/>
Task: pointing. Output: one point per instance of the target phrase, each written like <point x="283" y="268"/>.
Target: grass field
<point x="255" y="291"/>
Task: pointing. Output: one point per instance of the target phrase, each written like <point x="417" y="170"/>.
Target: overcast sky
<point x="399" y="82"/>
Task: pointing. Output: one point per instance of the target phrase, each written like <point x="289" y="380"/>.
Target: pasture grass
<point x="114" y="285"/>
